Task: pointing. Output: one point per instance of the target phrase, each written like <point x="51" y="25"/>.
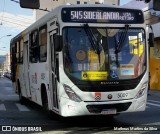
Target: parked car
<point x="1" y="74"/>
<point x="7" y="74"/>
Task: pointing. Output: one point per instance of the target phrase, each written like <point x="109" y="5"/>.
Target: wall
<point x="8" y="61"/>
<point x="155" y="65"/>
<point x="50" y="4"/>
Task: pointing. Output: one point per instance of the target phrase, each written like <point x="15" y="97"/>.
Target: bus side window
<point x="34" y="47"/>
<point x="17" y="51"/>
<point x="21" y="51"/>
<point x="13" y="62"/>
<point x="55" y="60"/>
<point x="43" y="43"/>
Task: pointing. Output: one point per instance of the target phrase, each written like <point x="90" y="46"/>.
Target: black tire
<point x="21" y="98"/>
<point x="45" y="101"/>
<point x="51" y="114"/>
<point x="45" y="104"/>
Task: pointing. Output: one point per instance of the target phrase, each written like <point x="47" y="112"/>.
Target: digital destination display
<point x="101" y="15"/>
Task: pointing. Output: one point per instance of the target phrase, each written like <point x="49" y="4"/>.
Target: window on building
<point x="34" y="47"/>
<point x="43" y="43"/>
<point x="78" y="2"/>
<point x="85" y="2"/>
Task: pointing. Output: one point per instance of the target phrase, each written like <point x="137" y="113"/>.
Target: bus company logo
<point x="98" y="96"/>
<point x="109" y="96"/>
<point x="85" y="75"/>
<point x="6" y="128"/>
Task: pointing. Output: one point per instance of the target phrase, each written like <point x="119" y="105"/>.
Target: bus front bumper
<point x="72" y="108"/>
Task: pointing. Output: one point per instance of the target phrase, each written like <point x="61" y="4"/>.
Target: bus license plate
<point x="109" y="111"/>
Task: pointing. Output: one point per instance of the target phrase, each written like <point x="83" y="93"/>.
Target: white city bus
<point x="83" y="60"/>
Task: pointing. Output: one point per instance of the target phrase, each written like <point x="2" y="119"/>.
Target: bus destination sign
<point x="102" y="15"/>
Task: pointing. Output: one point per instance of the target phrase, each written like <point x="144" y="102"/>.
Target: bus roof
<point x="57" y="11"/>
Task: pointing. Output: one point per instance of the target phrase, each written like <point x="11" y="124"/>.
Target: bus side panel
<point x="38" y="75"/>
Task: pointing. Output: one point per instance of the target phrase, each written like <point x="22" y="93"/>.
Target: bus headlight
<point x="142" y="90"/>
<point x="71" y="94"/>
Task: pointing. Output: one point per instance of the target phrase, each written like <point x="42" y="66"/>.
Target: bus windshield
<point x="103" y="54"/>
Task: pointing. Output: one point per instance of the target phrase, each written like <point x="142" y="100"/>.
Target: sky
<point x="122" y="2"/>
<point x="14" y="19"/>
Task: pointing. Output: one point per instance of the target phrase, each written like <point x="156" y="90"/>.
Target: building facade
<point x="50" y="4"/>
<point x="8" y="62"/>
<point x="152" y="18"/>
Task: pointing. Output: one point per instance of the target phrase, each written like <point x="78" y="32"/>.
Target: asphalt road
<point x="31" y="117"/>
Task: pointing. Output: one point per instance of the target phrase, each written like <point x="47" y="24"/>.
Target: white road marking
<point x="2" y="107"/>
<point x="22" y="107"/>
<point x="153" y="104"/>
<point x="154" y="101"/>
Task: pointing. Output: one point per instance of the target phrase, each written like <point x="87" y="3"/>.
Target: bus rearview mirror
<point x="58" y="43"/>
<point x="151" y="39"/>
<point x="32" y="4"/>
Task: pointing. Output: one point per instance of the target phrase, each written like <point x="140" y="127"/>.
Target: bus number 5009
<point x="122" y="95"/>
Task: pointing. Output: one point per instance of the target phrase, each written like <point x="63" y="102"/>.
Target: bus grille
<point x="98" y="108"/>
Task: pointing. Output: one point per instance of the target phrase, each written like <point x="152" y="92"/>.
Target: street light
<point x="2" y="49"/>
<point x="15" y="1"/>
<point x="5" y="36"/>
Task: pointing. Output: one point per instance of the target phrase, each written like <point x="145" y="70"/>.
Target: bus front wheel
<point x="45" y="100"/>
<point x="45" y="106"/>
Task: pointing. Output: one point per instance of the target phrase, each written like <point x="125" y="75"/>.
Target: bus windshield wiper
<point x="118" y="44"/>
<point x="93" y="40"/>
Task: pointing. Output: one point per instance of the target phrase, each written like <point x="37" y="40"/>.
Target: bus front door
<point x="54" y="71"/>
<point x="26" y="69"/>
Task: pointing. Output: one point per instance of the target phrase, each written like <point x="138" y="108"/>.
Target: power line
<point x="24" y="17"/>
<point x="21" y="17"/>
<point x="5" y="27"/>
<point x="3" y="11"/>
<point x="17" y="20"/>
<point x="3" y="50"/>
<point x="15" y="23"/>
